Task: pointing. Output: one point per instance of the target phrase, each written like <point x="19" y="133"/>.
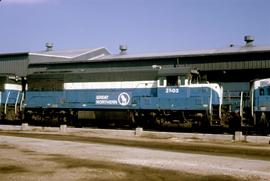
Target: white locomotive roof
<point x="262" y="83"/>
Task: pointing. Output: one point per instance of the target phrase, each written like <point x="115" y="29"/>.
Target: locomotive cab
<point x="176" y="77"/>
<point x="183" y="98"/>
<point x="170" y="81"/>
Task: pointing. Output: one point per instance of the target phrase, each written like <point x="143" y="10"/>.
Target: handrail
<point x="241" y="104"/>
<point x="210" y="103"/>
<point x="220" y="103"/>
<point x="5" y="111"/>
<point x="21" y="103"/>
<point x="17" y="100"/>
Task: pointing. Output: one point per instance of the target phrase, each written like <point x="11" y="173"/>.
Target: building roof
<point x="103" y="55"/>
<point x="69" y="54"/>
<point x="63" y="56"/>
<point x="190" y="53"/>
<point x="14" y="63"/>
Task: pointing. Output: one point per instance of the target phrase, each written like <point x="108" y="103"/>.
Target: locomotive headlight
<point x="205" y="105"/>
<point x="263" y="108"/>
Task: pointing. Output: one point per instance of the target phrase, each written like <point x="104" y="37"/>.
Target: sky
<point x="145" y="26"/>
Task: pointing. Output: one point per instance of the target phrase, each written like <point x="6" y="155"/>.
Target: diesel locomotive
<point x="260" y="105"/>
<point x="143" y="96"/>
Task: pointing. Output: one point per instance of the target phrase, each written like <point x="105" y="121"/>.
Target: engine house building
<point x="14" y="63"/>
<point x="233" y="66"/>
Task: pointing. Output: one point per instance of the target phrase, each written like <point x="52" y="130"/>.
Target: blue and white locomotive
<point x="260" y="104"/>
<point x="11" y="97"/>
<point x="143" y="96"/>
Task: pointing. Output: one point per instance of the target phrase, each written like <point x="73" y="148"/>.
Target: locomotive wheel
<point x="162" y="122"/>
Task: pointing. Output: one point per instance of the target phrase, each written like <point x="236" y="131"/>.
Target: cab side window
<point x="268" y="91"/>
<point x="261" y="92"/>
<point x="172" y="81"/>
<point x="162" y="81"/>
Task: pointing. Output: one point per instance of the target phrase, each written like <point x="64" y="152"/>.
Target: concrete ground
<point x="58" y="156"/>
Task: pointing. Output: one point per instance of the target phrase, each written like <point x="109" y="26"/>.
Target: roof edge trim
<point x="57" y="56"/>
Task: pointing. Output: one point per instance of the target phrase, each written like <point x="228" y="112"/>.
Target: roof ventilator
<point x="123" y="49"/>
<point x="249" y="40"/>
<point x="49" y="47"/>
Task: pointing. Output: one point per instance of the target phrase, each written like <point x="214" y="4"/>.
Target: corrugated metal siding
<point x="232" y="62"/>
<point x="14" y="64"/>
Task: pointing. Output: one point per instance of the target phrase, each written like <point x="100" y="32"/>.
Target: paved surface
<point x="32" y="159"/>
<point x="238" y="136"/>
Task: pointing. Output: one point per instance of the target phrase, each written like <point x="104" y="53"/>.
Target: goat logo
<point x="123" y="99"/>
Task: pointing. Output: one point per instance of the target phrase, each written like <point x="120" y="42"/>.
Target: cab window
<point x="162" y="81"/>
<point x="172" y="80"/>
<point x="268" y="91"/>
<point x="261" y="92"/>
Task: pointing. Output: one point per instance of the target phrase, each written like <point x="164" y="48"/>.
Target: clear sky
<point x="144" y="25"/>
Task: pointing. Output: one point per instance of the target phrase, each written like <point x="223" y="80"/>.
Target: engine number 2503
<point x="172" y="90"/>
